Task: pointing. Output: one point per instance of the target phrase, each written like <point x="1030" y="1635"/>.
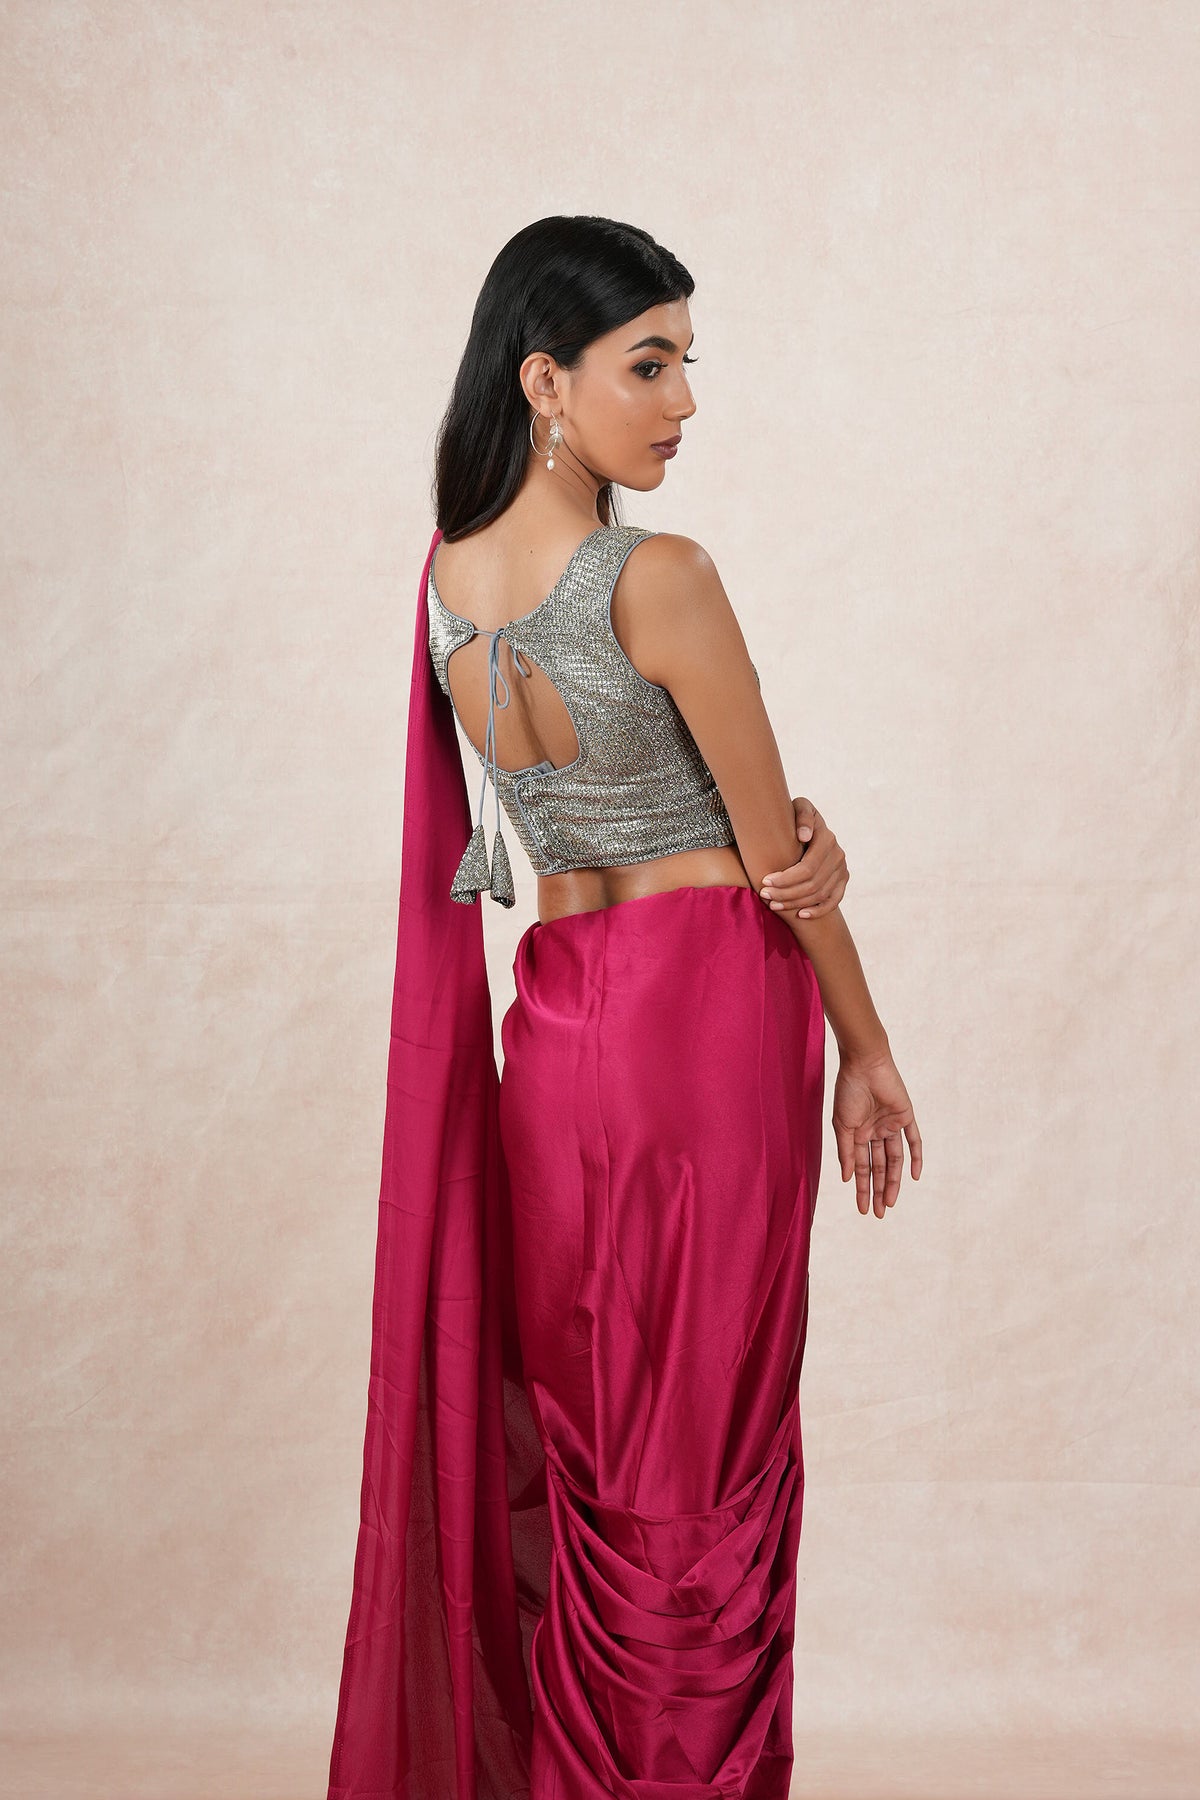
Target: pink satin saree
<point x="583" y="1475"/>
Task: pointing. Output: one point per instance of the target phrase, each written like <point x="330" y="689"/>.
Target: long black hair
<point x="556" y="286"/>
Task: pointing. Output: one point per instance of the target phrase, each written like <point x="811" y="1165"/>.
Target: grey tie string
<point x="494" y="676"/>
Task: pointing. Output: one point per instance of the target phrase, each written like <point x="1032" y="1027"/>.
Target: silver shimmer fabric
<point x="639" y="787"/>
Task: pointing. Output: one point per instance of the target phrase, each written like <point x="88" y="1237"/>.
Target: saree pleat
<point x="583" y="1480"/>
<point x="660" y="1116"/>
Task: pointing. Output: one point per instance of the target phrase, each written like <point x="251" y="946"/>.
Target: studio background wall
<point x="945" y="457"/>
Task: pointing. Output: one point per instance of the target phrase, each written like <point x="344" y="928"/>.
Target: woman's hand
<point x="814" y="884"/>
<point x="871" y="1109"/>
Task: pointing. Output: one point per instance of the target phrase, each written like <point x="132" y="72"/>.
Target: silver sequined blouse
<point x="639" y="787"/>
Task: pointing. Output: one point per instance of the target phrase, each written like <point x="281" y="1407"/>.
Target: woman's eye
<point x="640" y="368"/>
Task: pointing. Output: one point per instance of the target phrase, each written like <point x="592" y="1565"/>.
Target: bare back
<point x="493" y="578"/>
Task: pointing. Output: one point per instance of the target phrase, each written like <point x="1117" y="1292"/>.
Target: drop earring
<point x="555" y="439"/>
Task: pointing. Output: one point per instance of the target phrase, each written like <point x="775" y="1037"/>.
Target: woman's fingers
<point x="879" y="1170"/>
<point x="871" y="1151"/>
<point x="808" y="882"/>
<point x="894" y="1143"/>
<point x="862" y="1176"/>
<point x="807" y="817"/>
<point x="879" y="1165"/>
<point x="846" y="1149"/>
<point x="915" y="1156"/>
<point x="815" y="882"/>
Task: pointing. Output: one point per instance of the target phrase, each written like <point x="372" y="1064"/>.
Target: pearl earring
<point x="555" y="439"/>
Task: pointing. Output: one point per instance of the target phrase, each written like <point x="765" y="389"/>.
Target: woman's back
<point x="599" y="774"/>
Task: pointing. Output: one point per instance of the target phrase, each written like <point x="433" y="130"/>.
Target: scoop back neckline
<point x="521" y="617"/>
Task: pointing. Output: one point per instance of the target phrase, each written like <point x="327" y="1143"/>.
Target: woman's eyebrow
<point x="659" y="343"/>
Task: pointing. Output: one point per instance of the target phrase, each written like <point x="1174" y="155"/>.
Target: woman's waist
<point x="591" y="890"/>
<point x="693" y="963"/>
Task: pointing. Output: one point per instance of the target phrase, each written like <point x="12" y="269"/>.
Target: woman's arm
<point x="674" y="621"/>
<point x="818" y="879"/>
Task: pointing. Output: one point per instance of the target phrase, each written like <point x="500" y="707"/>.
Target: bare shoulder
<point x="669" y="553"/>
<point x="669" y="570"/>
<point x="669" y="607"/>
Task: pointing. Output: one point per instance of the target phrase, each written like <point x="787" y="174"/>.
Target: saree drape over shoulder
<point x="583" y="1476"/>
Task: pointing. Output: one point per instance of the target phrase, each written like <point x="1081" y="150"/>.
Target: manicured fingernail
<point x="806" y="914"/>
<point x="805" y="831"/>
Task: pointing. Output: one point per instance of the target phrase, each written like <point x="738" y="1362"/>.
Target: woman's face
<point x="629" y="393"/>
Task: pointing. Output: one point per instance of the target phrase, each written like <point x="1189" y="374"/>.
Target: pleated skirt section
<point x="661" y="1117"/>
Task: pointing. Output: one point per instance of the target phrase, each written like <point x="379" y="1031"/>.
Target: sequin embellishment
<point x="638" y="788"/>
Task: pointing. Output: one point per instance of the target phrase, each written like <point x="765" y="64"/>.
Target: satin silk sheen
<point x="582" y="1473"/>
<point x="660" y="1113"/>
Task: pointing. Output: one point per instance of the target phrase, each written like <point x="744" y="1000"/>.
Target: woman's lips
<point x="668" y="447"/>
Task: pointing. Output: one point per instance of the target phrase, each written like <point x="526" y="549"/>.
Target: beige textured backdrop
<point x="945" y="457"/>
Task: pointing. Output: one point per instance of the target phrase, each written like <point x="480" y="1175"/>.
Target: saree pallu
<point x="660" y="1114"/>
<point x="582" y="1477"/>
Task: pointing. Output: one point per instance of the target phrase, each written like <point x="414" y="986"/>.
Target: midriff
<point x="590" y="890"/>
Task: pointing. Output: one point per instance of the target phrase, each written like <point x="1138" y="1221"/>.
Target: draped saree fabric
<point x="660" y="1113"/>
<point x="450" y="1568"/>
<point x="583" y="1475"/>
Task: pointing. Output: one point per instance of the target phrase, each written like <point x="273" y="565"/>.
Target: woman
<point x="583" y="1479"/>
